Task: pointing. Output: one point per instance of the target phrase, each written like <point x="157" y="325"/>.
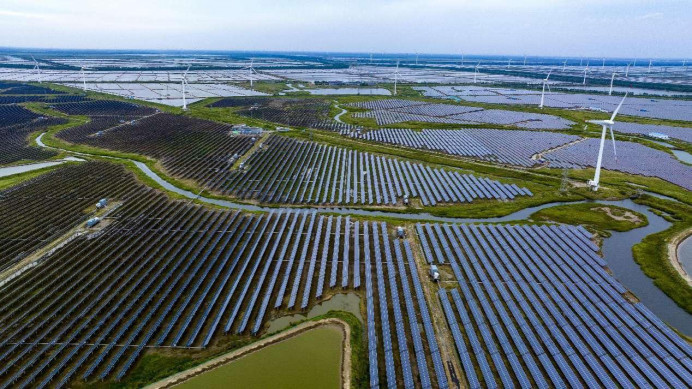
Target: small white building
<point x="658" y="136"/>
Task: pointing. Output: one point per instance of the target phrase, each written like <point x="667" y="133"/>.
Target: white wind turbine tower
<point x="184" y="84"/>
<point x="396" y="76"/>
<point x="650" y="62"/>
<point x="612" y="78"/>
<point x="252" y="70"/>
<point x="586" y="70"/>
<point x="564" y="65"/>
<point x="83" y="78"/>
<point x="38" y="69"/>
<point x="627" y="70"/>
<point x="607" y="124"/>
<point x="475" y="72"/>
<point x="545" y="82"/>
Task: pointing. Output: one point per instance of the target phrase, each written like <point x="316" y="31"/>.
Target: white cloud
<point x="558" y="27"/>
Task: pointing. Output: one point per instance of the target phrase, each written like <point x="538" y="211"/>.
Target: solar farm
<point x="141" y="237"/>
<point x="387" y="112"/>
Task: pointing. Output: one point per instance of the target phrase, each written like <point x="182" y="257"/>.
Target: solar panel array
<point x="188" y="148"/>
<point x="16" y="124"/>
<point x="168" y="273"/>
<point x="104" y="108"/>
<point x="406" y="337"/>
<point x="680" y="133"/>
<point x="633" y="106"/>
<point x="387" y="112"/>
<point x="632" y="158"/>
<point x="285" y="170"/>
<point x="293" y="112"/>
<point x="511" y="147"/>
<point x="535" y="308"/>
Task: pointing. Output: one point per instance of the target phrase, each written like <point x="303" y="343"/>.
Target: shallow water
<point x="617" y="251"/>
<point x="309" y="360"/>
<point x="349" y="302"/>
<point x="349" y="91"/>
<point x="685" y="255"/>
<point x="12" y="170"/>
<point x="683" y="156"/>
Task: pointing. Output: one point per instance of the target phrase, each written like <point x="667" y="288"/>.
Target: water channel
<point x="617" y="249"/>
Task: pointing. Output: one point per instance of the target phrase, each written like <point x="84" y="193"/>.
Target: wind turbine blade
<point x="618" y="108"/>
<point x="612" y="136"/>
<point x="551" y="70"/>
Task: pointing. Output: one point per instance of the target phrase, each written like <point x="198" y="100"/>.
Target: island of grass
<point x="593" y="216"/>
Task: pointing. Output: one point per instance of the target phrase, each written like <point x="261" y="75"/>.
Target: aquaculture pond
<point x="308" y="360"/>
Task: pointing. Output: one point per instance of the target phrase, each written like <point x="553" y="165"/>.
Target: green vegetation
<point x="652" y="252"/>
<point x="594" y="216"/>
<point x="270" y="87"/>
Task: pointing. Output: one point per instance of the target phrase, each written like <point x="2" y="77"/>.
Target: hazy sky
<point x="613" y="28"/>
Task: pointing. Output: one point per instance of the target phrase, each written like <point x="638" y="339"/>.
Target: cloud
<point x="534" y="27"/>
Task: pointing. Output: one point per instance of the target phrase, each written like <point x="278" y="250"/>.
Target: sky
<point x="596" y="28"/>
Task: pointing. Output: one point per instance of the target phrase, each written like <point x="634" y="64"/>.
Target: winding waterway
<point x="617" y="249"/>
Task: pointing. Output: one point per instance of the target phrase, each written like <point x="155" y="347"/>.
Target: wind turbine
<point x="38" y="69"/>
<point x="545" y="82"/>
<point x="650" y="62"/>
<point x="586" y="69"/>
<point x="184" y="84"/>
<point x="509" y="63"/>
<point x="396" y="76"/>
<point x="524" y="60"/>
<point x="475" y="72"/>
<point x="603" y="65"/>
<point x="627" y="70"/>
<point x="253" y="71"/>
<point x="564" y="65"/>
<point x="416" y="59"/>
<point x="612" y="78"/>
<point x="607" y="124"/>
<point x="83" y="78"/>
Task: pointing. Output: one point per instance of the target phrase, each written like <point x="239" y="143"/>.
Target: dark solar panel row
<point x="539" y="293"/>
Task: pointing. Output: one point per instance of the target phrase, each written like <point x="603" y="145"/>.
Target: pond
<point x="685" y="255"/>
<point x="347" y="302"/>
<point x="311" y="359"/>
<point x="683" y="156"/>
